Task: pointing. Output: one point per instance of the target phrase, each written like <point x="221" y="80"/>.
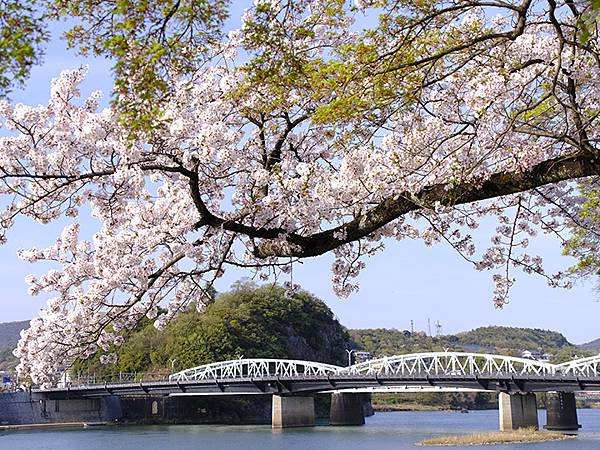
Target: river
<point x="383" y="431"/>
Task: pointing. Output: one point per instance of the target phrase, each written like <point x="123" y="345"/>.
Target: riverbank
<point x="434" y="401"/>
<point x="35" y="426"/>
<point x="454" y="402"/>
<point x="522" y="436"/>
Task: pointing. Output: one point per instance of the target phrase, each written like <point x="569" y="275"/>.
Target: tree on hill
<point x="296" y="135"/>
<point x="249" y="322"/>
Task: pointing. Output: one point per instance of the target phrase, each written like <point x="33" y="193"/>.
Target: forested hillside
<point x="387" y="342"/>
<point x="492" y="339"/>
<point x="246" y="322"/>
<point x="9" y="335"/>
<point x="511" y="338"/>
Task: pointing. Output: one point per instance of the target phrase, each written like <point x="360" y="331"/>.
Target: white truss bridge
<point x="255" y="368"/>
<point x="453" y="364"/>
<point x="582" y="367"/>
<point x="417" y="372"/>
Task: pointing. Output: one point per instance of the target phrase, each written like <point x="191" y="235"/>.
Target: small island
<point x="503" y="437"/>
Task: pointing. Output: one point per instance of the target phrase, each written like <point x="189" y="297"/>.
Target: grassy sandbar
<point x="500" y="437"/>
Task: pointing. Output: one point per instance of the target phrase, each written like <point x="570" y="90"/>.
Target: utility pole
<point x="429" y="326"/>
<point x="412" y="326"/>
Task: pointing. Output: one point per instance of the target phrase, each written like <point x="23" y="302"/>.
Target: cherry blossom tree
<point x="299" y="134"/>
<point x="584" y="243"/>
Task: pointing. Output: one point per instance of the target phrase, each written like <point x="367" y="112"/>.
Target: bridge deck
<point x="315" y="384"/>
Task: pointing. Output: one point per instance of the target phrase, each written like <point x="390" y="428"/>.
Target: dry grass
<point x="501" y="437"/>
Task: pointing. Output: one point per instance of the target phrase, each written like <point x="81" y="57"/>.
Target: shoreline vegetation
<point x="412" y="407"/>
<point x="453" y="401"/>
<point x="415" y="407"/>
<point x="497" y="437"/>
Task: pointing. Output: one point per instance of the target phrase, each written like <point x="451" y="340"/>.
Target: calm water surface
<point x="394" y="430"/>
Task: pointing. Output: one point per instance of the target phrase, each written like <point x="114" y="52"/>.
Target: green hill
<point x="386" y="342"/>
<point x="514" y="339"/>
<point x="492" y="339"/>
<point x="9" y="334"/>
<point x="248" y="321"/>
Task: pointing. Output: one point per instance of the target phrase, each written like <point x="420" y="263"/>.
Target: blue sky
<point x="408" y="281"/>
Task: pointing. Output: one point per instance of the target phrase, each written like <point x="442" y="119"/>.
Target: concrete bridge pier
<point x="561" y="411"/>
<point x="517" y="411"/>
<point x="346" y="409"/>
<point x="293" y="411"/>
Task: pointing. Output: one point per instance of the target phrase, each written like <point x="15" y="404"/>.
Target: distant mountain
<point x="492" y="339"/>
<point x="592" y="345"/>
<point x="9" y="334"/>
<point x="513" y="338"/>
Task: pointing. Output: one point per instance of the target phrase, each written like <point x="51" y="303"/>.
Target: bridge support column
<point x="293" y="412"/>
<point x="561" y="411"/>
<point x="346" y="409"/>
<point x="517" y="411"/>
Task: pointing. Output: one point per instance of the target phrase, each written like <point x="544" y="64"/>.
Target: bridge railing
<point x="117" y="377"/>
<point x="255" y="368"/>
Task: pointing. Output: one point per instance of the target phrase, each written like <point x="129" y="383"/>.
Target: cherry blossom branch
<point x="579" y="165"/>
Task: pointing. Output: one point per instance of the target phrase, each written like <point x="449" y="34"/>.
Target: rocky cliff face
<point x="327" y="345"/>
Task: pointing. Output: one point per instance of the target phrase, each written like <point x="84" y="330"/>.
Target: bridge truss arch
<point x="580" y="367"/>
<point x="451" y="364"/>
<point x="255" y="368"/>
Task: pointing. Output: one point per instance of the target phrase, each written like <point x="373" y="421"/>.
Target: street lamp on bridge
<point x="358" y="354"/>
